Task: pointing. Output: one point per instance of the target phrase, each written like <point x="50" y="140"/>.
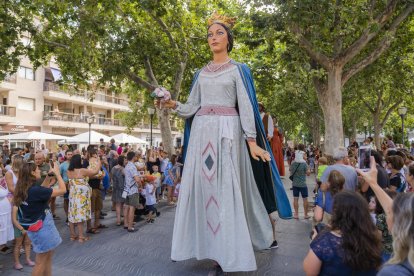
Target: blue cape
<point x="282" y="201"/>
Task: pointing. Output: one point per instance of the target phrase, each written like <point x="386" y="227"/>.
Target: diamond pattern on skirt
<point x="212" y="213"/>
<point x="209" y="165"/>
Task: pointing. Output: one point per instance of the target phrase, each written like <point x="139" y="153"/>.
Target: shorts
<point x="300" y="190"/>
<point x="96" y="200"/>
<point x="47" y="238"/>
<point x="132" y="200"/>
<point x="151" y="208"/>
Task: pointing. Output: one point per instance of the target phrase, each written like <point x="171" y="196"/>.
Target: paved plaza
<point x="147" y="252"/>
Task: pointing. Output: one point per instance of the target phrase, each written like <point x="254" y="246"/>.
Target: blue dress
<point x="327" y="247"/>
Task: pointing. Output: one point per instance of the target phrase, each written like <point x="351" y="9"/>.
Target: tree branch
<point x="56" y="44"/>
<point x="140" y="81"/>
<point x="389" y="111"/>
<point x="367" y="35"/>
<point x="382" y="47"/>
<point x="165" y="29"/>
<point x="370" y="109"/>
<point x="179" y="75"/>
<point x="337" y="48"/>
<point x="319" y="57"/>
<point x="149" y="73"/>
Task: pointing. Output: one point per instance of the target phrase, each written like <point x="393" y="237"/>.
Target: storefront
<point x="12" y="129"/>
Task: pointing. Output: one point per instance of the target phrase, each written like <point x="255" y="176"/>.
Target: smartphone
<point x="52" y="166"/>
<point x="364" y="155"/>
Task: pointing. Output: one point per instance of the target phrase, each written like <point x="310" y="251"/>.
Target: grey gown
<point x="220" y="214"/>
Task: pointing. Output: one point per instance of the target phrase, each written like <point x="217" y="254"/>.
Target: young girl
<point x="372" y="206"/>
<point x="172" y="174"/>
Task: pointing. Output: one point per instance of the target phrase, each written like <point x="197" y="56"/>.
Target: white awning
<point x="32" y="135"/>
<point x="125" y="138"/>
<point x="83" y="138"/>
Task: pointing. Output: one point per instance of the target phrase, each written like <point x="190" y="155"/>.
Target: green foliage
<point x="17" y="19"/>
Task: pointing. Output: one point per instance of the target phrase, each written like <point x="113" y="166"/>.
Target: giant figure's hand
<point x="258" y="153"/>
<point x="168" y="104"/>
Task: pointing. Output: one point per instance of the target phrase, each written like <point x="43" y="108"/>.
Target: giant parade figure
<point x="230" y="183"/>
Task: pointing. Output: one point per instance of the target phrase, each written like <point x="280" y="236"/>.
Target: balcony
<point x="70" y="120"/>
<point x="98" y="99"/>
<point x="7" y="114"/>
<point x="9" y="83"/>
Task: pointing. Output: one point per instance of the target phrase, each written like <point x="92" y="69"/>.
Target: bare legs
<point x="296" y="207"/>
<point x="170" y="190"/>
<point x="129" y="214"/>
<point x="43" y="265"/>
<point x="272" y="221"/>
<point x="53" y="206"/>
<point x="66" y="206"/>
<point x="23" y="240"/>
<point x="118" y="208"/>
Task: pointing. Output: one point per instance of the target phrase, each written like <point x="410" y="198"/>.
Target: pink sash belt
<point x="217" y="110"/>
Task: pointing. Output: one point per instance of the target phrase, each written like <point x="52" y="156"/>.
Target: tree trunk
<point x="166" y="135"/>
<point x="354" y="130"/>
<point x="377" y="129"/>
<point x="316" y="128"/>
<point x="330" y="100"/>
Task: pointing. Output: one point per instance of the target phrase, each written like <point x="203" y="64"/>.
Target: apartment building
<point x="33" y="100"/>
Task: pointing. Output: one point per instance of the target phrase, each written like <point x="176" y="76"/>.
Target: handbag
<point x="28" y="224"/>
<point x="291" y="177"/>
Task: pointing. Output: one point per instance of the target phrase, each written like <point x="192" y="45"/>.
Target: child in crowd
<point x="322" y="165"/>
<point x="372" y="206"/>
<point x="150" y="200"/>
<point x="300" y="154"/>
<point x="157" y="182"/>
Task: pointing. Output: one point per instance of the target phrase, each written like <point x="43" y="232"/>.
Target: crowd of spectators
<point x="363" y="221"/>
<point x="136" y="180"/>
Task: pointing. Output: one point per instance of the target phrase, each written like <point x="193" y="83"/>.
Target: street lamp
<point x="402" y="110"/>
<point x="151" y="112"/>
<point x="366" y="126"/>
<point x="303" y="139"/>
<point x="90" y="120"/>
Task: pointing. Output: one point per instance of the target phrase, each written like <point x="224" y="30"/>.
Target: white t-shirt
<point x="149" y="194"/>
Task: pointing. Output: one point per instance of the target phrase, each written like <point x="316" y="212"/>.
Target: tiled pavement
<point x="147" y="251"/>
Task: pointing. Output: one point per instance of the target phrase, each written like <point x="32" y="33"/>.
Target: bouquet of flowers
<point x="161" y="93"/>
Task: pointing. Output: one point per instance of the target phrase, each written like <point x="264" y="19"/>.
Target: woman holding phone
<point x="33" y="213"/>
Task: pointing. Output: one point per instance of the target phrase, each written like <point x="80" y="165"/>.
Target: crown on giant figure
<point x="218" y="18"/>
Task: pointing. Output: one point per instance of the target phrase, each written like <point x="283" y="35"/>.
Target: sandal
<point x="18" y="267"/>
<point x="132" y="230"/>
<point x="93" y="231"/>
<point x="295" y="216"/>
<point x="118" y="224"/>
<point x="30" y="263"/>
<point x="83" y="239"/>
<point x="73" y="238"/>
<point x="307" y="217"/>
<point x="102" y="226"/>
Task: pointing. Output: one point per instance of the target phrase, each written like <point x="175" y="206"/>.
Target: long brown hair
<point x="360" y="242"/>
<point x="24" y="182"/>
